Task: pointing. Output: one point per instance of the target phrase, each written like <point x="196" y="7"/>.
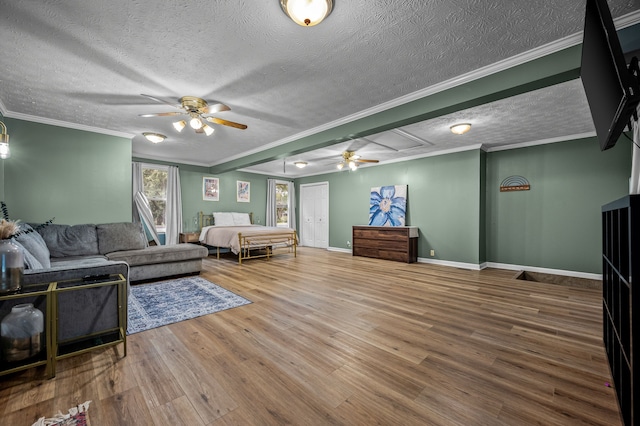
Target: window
<point x="155" y="188"/>
<point x="282" y="204"/>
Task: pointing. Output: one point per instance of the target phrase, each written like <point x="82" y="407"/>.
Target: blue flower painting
<point x="387" y="205"/>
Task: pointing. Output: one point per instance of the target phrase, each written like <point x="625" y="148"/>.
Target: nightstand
<point x="189" y="237"/>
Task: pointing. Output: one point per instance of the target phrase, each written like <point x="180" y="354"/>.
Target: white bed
<point x="235" y="231"/>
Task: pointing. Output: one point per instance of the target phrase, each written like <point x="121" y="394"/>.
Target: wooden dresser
<point x="386" y="242"/>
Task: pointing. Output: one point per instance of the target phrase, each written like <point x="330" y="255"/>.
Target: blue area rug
<point x="161" y="303"/>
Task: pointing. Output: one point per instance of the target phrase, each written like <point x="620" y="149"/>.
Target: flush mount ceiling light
<point x="300" y="164"/>
<point x="154" y="137"/>
<point x="4" y="142"/>
<point x="307" y="13"/>
<point x="461" y="128"/>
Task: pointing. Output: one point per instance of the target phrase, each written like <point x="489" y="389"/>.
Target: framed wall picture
<point x="388" y="205"/>
<point x="210" y="189"/>
<point x="243" y="192"/>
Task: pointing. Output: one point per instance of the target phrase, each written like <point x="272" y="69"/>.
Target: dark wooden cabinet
<point x="620" y="259"/>
<point x="384" y="242"/>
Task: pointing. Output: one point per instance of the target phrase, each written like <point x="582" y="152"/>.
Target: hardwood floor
<point x="336" y="339"/>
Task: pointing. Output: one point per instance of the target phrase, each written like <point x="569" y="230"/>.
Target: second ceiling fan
<point x="352" y="160"/>
<point x="197" y="109"/>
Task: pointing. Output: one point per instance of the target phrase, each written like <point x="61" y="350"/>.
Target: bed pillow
<point x="241" y="219"/>
<point x="222" y="219"/>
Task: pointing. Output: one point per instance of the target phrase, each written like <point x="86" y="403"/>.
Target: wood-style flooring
<point x="335" y="339"/>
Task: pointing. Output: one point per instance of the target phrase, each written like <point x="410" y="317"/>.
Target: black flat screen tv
<point x="612" y="91"/>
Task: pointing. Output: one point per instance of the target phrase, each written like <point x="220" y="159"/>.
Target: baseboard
<point x="550" y="271"/>
<point x="484" y="265"/>
<point x="460" y="265"/>
<point x="341" y="250"/>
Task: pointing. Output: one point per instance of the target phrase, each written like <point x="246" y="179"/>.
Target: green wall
<point x="556" y="224"/>
<point x="80" y="177"/>
<point x="455" y="201"/>
<point x="73" y="175"/>
<point x="192" y="202"/>
<point x="443" y="201"/>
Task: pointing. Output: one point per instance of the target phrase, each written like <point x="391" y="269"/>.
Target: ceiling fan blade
<point x="172" y="102"/>
<point x="215" y="106"/>
<point x="162" y="114"/>
<point x="363" y="160"/>
<point x="200" y="130"/>
<point x="225" y="122"/>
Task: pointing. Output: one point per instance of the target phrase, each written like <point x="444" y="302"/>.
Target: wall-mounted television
<point x="611" y="89"/>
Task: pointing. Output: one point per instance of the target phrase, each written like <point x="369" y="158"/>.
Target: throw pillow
<point x="30" y="262"/>
<point x="35" y="245"/>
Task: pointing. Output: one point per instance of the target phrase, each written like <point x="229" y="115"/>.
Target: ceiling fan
<point x="351" y="159"/>
<point x="197" y="109"/>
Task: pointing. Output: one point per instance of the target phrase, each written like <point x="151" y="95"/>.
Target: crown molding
<point x="541" y="142"/>
<point x="65" y="124"/>
<point x="530" y="55"/>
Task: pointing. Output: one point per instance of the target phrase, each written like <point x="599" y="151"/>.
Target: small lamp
<point x="300" y="164"/>
<point x="154" y="137"/>
<point x="307" y="13"/>
<point x="4" y="142"/>
<point x="179" y="125"/>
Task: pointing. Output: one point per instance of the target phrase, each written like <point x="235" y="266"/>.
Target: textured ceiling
<point x="84" y="63"/>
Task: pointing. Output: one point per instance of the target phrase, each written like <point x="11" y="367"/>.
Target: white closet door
<point x="314" y="206"/>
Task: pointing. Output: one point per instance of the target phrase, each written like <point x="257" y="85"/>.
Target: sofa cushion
<point x="120" y="236"/>
<point x="36" y="250"/>
<point x="66" y="240"/>
<point x="160" y="254"/>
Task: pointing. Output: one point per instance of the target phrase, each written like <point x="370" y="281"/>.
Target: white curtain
<point x="271" y="203"/>
<point x="144" y="210"/>
<point x="140" y="206"/>
<point x="292" y="205"/>
<point x="634" y="182"/>
<point x="138" y="186"/>
<point x="173" y="213"/>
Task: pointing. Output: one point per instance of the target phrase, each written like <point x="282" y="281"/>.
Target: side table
<point x="40" y="296"/>
<point x="190" y="237"/>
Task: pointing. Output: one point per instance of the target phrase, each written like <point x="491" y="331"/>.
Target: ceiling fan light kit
<point x="207" y="130"/>
<point x="460" y="129"/>
<point x="197" y="109"/>
<point x="352" y="160"/>
<point x="307" y="13"/>
<point x="195" y="123"/>
<point x="154" y="137"/>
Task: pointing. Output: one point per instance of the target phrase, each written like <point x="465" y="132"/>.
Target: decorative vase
<point x="11" y="267"/>
<point x="21" y="332"/>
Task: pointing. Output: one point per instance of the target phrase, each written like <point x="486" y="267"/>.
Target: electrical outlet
<point x="432" y="253"/>
<point x="348" y="243"/>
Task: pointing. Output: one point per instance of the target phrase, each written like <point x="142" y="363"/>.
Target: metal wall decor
<point x="515" y="183"/>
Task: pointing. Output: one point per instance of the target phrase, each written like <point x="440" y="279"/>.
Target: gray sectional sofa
<point x="62" y="252"/>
